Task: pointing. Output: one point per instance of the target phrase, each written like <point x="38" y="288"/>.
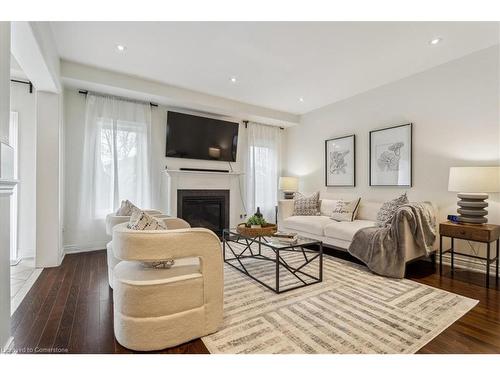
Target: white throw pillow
<point x="345" y="210"/>
<point x="127" y="208"/>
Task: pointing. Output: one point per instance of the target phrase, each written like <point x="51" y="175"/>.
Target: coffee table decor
<point x="263" y="230"/>
<point x="277" y="265"/>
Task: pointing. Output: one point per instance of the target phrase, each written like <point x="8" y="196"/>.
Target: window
<point x="120" y="169"/>
<point x="115" y="161"/>
<point x="263" y="168"/>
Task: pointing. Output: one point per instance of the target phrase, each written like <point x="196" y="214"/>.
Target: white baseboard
<point x="462" y="262"/>
<point x="73" y="249"/>
<point x="15" y="262"/>
<point x="61" y="256"/>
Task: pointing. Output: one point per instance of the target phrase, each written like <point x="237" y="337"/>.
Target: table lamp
<point x="289" y="186"/>
<point x="472" y="185"/>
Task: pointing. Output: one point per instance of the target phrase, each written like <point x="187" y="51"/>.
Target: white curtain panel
<point x="263" y="169"/>
<point x="116" y="160"/>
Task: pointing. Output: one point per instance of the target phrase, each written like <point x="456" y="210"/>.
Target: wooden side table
<point x="483" y="233"/>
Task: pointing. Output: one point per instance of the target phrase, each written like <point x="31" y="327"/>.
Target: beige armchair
<point x="111" y="220"/>
<point x="160" y="308"/>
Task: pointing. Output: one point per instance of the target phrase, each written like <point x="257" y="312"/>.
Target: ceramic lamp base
<point x="472" y="208"/>
<point x="288" y="194"/>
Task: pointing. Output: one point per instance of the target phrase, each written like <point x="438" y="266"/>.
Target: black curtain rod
<point x="25" y="83"/>
<point x="246" y="125"/>
<point x="85" y="92"/>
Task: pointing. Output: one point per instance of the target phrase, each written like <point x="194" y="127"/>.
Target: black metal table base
<point x="303" y="278"/>
<point x="453" y="252"/>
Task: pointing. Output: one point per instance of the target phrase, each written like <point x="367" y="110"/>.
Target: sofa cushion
<point x="308" y="224"/>
<point x="345" y="230"/>
<point x="368" y="210"/>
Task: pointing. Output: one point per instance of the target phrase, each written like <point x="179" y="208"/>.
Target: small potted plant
<point x="256" y="221"/>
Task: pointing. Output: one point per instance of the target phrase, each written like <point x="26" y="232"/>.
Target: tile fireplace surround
<point x="174" y="180"/>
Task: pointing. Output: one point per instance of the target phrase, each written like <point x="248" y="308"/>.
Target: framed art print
<point x="340" y="161"/>
<point x="391" y="156"/>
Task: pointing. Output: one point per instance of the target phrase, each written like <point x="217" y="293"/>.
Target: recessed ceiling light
<point x="301" y="99"/>
<point x="120" y="47"/>
<point x="436" y="41"/>
<point x="233" y="79"/>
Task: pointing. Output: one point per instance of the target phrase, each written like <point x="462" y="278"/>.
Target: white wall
<point x="22" y="102"/>
<point x="74" y="125"/>
<point x="454" y="110"/>
<point x="4" y="196"/>
<point x="49" y="180"/>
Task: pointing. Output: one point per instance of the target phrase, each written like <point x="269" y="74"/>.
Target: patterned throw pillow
<point x="143" y="221"/>
<point x="389" y="208"/>
<point x="345" y="210"/>
<point x="127" y="208"/>
<point x="306" y="206"/>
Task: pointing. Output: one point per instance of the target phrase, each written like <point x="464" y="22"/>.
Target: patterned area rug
<point x="351" y="311"/>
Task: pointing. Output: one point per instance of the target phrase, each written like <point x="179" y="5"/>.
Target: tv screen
<point x="195" y="137"/>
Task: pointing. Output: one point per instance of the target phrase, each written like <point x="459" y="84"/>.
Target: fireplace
<point x="204" y="208"/>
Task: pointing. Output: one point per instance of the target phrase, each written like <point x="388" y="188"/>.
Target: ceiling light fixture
<point x="120" y="47"/>
<point x="233" y="79"/>
<point x="301" y="99"/>
<point x="435" y="41"/>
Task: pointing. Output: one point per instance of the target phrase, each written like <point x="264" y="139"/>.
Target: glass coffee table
<point x="277" y="265"/>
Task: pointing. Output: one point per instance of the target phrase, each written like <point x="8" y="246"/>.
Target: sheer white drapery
<point x="116" y="159"/>
<point x="263" y="168"/>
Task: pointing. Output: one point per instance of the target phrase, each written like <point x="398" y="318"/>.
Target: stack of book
<point x="286" y="237"/>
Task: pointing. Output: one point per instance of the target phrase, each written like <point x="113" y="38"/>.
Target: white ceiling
<point x="275" y="63"/>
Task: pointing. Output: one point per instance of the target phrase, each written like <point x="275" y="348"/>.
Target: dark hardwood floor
<point x="70" y="310"/>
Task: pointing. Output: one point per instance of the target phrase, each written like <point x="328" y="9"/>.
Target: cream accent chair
<point x="112" y="220"/>
<point x="160" y="308"/>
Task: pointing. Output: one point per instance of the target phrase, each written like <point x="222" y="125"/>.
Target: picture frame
<point x="340" y="161"/>
<point x="390" y="154"/>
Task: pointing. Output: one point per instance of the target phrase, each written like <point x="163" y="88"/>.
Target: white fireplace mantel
<point x="7" y="186"/>
<point x="178" y="171"/>
<point x="174" y="179"/>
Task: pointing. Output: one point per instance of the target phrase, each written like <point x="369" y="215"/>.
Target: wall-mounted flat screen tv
<point x="196" y="137"/>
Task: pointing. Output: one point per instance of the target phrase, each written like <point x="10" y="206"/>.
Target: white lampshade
<point x="474" y="179"/>
<point x="289" y="183"/>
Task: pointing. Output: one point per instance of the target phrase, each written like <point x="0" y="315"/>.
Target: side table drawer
<point x="465" y="231"/>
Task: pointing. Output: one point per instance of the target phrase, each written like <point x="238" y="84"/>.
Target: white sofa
<point x="337" y="234"/>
